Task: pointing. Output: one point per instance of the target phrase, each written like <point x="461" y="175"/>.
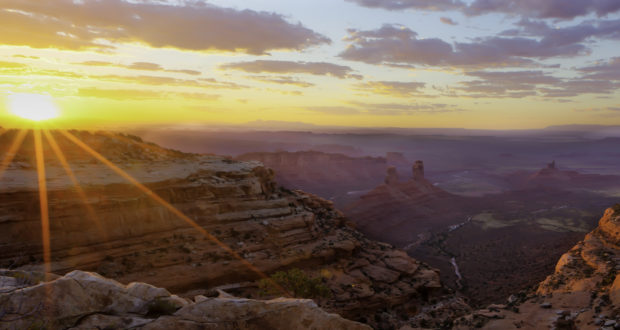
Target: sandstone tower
<point x="418" y="170"/>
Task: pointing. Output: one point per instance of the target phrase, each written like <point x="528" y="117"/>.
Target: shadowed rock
<point x="418" y="170"/>
<point x="391" y="176"/>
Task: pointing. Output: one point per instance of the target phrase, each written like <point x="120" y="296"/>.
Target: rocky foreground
<point x="81" y="300"/>
<point x="122" y="233"/>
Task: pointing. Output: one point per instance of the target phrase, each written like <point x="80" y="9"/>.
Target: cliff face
<point x="583" y="292"/>
<point x="122" y="233"/>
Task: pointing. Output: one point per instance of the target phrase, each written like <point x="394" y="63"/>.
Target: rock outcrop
<point x="398" y="211"/>
<point x="583" y="293"/>
<point x="82" y="300"/>
<point x="418" y="171"/>
<point x="391" y="176"/>
<point x="120" y="232"/>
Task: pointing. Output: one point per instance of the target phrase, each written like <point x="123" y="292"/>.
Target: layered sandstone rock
<point x="583" y="293"/>
<point x="123" y="233"/>
<point x="81" y="300"/>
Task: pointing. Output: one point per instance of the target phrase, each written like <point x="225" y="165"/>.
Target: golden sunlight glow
<point x="36" y="107"/>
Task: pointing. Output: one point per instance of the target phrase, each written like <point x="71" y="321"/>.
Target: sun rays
<point x="12" y="151"/>
<point x="43" y="202"/>
<point x="38" y="135"/>
<point x="76" y="184"/>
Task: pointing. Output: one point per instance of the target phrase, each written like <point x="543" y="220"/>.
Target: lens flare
<point x="35" y="107"/>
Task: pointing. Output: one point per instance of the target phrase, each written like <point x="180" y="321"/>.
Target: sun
<point x="35" y="107"/>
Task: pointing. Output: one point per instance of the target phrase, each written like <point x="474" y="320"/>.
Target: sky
<point x="484" y="64"/>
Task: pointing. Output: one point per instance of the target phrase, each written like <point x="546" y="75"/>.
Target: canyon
<point x="502" y="242"/>
<point x="247" y="227"/>
<point x="221" y="226"/>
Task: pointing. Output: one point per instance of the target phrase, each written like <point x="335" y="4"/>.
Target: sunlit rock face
<point x="122" y="233"/>
<point x="82" y="300"/>
<point x="582" y="293"/>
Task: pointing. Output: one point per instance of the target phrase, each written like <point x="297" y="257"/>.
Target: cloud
<point x="392" y="88"/>
<point x="284" y="92"/>
<point x="385" y="109"/>
<point x="400" y="46"/>
<point x="612" y="109"/>
<point x="609" y="70"/>
<point x="217" y="84"/>
<point x="399" y="109"/>
<point x="609" y="112"/>
<point x="169" y="81"/>
<point x="12" y="65"/>
<point x="434" y="5"/>
<point x="314" y="68"/>
<point x="559" y="9"/>
<point x="544" y="8"/>
<point x="27" y="72"/>
<point x="144" y="66"/>
<point x="334" y="110"/>
<point x="140" y="94"/>
<point x="188" y="25"/>
<point x="119" y="94"/>
<point x="605" y="29"/>
<point x="518" y="84"/>
<point x="578" y="86"/>
<point x="283" y="81"/>
<point x="448" y="21"/>
<point x="506" y="84"/>
<point x="26" y="56"/>
<point x="199" y="96"/>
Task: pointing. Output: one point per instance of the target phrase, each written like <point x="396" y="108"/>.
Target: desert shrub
<point x="296" y="282"/>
